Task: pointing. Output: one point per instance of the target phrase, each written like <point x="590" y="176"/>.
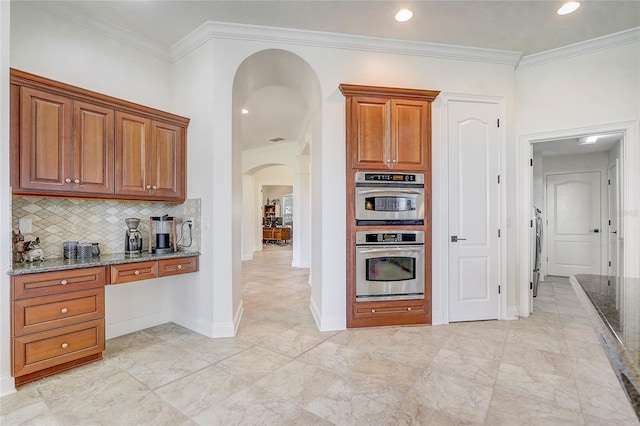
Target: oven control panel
<point x="400" y="237"/>
<point x="399" y="178"/>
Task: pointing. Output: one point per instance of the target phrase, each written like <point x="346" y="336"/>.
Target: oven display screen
<point x="390" y="177"/>
<point x="391" y="269"/>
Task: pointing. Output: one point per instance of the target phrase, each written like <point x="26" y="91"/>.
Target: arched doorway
<point x="276" y="108"/>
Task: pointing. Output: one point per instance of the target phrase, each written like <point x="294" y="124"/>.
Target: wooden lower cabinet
<point x="403" y="312"/>
<point x="128" y="272"/>
<point x="57" y="321"/>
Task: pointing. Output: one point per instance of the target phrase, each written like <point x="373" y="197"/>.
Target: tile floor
<point x="548" y="369"/>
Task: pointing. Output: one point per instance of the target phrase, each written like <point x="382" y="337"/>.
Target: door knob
<point x="455" y="239"/>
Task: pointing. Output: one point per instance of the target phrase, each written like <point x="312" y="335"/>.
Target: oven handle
<point x="411" y="249"/>
<point x="399" y="191"/>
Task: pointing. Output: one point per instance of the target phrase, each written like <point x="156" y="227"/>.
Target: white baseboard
<point x="512" y="313"/>
<point x="136" y="324"/>
<point x="7" y="385"/>
<point x="326" y="324"/>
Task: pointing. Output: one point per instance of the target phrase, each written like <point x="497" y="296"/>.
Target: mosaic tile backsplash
<point x="55" y="220"/>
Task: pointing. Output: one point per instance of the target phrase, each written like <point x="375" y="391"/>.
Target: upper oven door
<point x="389" y="206"/>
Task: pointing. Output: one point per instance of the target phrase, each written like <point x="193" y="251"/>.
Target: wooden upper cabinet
<point x="388" y="128"/>
<point x="93" y="168"/>
<point x="167" y="153"/>
<point x="371" y="138"/>
<point x="410" y="124"/>
<point x="149" y="157"/>
<point x="133" y="146"/>
<point x="45" y="141"/>
<point x="67" y="141"/>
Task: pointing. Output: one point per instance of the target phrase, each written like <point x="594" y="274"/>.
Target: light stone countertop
<point x="60" y="264"/>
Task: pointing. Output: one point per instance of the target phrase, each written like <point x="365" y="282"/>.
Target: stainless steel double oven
<point x="389" y="260"/>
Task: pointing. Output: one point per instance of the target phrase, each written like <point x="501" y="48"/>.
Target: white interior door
<point x="474" y="208"/>
<point x="573" y="206"/>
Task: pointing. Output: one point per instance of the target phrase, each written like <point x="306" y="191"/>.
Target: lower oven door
<point x="389" y="272"/>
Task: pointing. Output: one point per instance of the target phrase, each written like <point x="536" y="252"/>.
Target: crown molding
<point x="605" y="42"/>
<point x="220" y="30"/>
<point x="117" y="33"/>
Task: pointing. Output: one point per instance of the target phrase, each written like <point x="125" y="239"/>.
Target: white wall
<point x="581" y="94"/>
<point x="6" y="381"/>
<point x="332" y="66"/>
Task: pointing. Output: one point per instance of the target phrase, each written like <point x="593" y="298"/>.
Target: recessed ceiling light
<point x="568" y="7"/>
<point x="588" y="140"/>
<point x="245" y="111"/>
<point x="404" y="15"/>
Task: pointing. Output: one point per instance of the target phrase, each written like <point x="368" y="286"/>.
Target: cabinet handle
<point x="64" y="310"/>
<point x="395" y="160"/>
<point x="63" y="282"/>
<point x="136" y="273"/>
<point x="409" y="308"/>
<point x="64" y="345"/>
<point x="68" y="180"/>
<point x="154" y="187"/>
<point x="148" y="186"/>
<point x="76" y="181"/>
<point x="179" y="266"/>
<point x="373" y="311"/>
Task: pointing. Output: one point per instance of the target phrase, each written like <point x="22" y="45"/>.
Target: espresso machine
<point x="132" y="238"/>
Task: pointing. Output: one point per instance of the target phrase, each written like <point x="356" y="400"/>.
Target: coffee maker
<point x="132" y="238"/>
<point x="162" y="234"/>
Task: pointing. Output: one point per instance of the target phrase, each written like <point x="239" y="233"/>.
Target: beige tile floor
<point x="548" y="369"/>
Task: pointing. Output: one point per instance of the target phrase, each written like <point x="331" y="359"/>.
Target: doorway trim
<point x="630" y="152"/>
<point x="440" y="214"/>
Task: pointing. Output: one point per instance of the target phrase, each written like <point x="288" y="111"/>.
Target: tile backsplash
<point x="55" y="220"/>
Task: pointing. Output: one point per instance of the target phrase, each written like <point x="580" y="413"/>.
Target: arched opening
<point x="276" y="118"/>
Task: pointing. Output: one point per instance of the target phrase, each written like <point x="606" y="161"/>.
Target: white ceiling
<point x="276" y="108"/>
<point x="518" y="25"/>
<point x="572" y="146"/>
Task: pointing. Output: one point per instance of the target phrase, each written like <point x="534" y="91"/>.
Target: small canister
<point x="95" y="249"/>
<point x="70" y="249"/>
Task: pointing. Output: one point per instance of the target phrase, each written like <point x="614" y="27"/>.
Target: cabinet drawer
<point x="181" y="265"/>
<point x="48" y="283"/>
<point x="133" y="272"/>
<point x="47" y="312"/>
<point x="408" y="308"/>
<point x="50" y="348"/>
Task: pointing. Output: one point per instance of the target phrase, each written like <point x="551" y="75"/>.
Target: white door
<point x="474" y="208"/>
<point x="573" y="206"/>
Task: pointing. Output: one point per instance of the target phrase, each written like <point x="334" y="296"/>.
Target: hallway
<point x="545" y="370"/>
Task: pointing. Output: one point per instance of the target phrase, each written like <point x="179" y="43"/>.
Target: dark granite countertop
<point x="616" y="306"/>
<point x="60" y="264"/>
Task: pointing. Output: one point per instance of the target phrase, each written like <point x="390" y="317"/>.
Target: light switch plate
<point x="25" y="226"/>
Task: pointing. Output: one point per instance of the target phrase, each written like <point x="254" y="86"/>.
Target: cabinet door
<point x="45" y="141"/>
<point x="167" y="160"/>
<point x="133" y="163"/>
<point x="93" y="149"/>
<point x="370" y="119"/>
<point x="410" y="126"/>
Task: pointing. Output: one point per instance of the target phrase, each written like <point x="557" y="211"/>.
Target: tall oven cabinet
<point x="388" y="132"/>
